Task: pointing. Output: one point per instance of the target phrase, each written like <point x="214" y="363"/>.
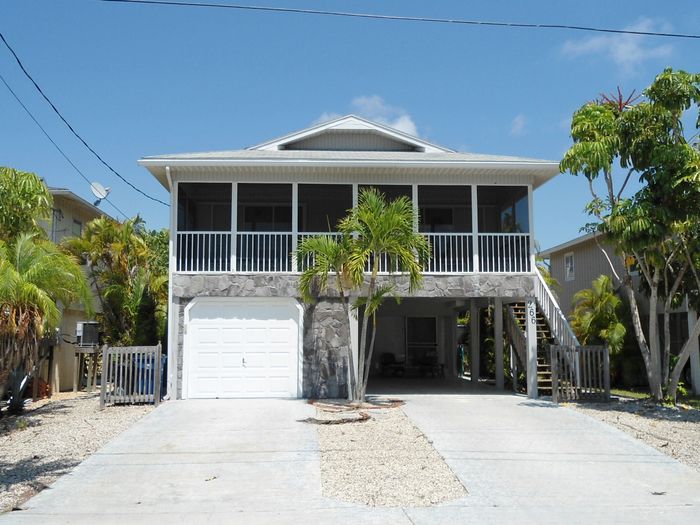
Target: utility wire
<point x="404" y="18"/>
<point x="41" y="92"/>
<point x="26" y="109"/>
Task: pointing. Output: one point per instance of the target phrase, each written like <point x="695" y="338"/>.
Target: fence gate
<point x="580" y="373"/>
<point x="130" y="374"/>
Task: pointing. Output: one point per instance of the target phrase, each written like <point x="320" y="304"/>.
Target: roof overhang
<point x="79" y="202"/>
<point x="568" y="245"/>
<point x="537" y="172"/>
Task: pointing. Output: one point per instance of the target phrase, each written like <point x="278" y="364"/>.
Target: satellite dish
<point x="99" y="191"/>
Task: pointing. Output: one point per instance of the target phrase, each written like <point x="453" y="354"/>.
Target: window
<point x="77" y="228"/>
<point x="569" y="266"/>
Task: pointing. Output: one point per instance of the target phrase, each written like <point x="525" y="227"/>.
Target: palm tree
<point x="322" y="256"/>
<point x="25" y="202"/>
<point x="35" y="279"/>
<point x="594" y="319"/>
<point x="376" y="235"/>
<point x="382" y="238"/>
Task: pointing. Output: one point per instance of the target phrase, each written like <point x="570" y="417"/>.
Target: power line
<point x="41" y="92"/>
<point x="31" y="116"/>
<point x="405" y="18"/>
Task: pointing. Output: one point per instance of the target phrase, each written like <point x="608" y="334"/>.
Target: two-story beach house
<point x="237" y="327"/>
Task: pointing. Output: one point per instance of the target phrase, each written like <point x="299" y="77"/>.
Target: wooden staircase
<point x="544" y="338"/>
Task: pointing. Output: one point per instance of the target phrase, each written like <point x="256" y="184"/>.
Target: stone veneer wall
<point x="326" y="330"/>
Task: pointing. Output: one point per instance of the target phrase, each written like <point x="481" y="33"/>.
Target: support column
<point x="475" y="229"/>
<point x="694" y="354"/>
<point x="498" y="337"/>
<point x="531" y="336"/>
<point x="474" y="341"/>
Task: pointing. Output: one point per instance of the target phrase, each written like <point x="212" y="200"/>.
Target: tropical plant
<point x="126" y="276"/>
<point x="653" y="230"/>
<point x="376" y="235"/>
<point x="25" y="201"/>
<point x="37" y="280"/>
<point x="594" y="319"/>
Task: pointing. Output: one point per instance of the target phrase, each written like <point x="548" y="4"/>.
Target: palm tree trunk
<point x="363" y="364"/>
<point x="368" y="365"/>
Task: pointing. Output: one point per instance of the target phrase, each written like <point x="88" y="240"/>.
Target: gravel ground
<point x="384" y="461"/>
<point x="51" y="437"/>
<point x="673" y="431"/>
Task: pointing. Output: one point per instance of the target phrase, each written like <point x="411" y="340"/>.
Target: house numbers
<point x="531" y="312"/>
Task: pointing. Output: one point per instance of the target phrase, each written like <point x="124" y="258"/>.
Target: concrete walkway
<point x="251" y="461"/>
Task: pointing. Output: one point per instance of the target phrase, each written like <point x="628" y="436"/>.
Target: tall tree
<point x="35" y="279"/>
<point x="649" y="229"/>
<point x="25" y="202"/>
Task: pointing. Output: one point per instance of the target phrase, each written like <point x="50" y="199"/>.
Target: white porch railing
<point x="272" y="252"/>
<point x="203" y="252"/>
<point x="450" y="253"/>
<point x="504" y="252"/>
<point x="264" y="252"/>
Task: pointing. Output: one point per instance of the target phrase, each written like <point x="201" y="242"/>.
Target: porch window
<point x="391" y="191"/>
<point x="446" y="219"/>
<point x="203" y="227"/>
<point x="322" y="206"/>
<point x="264" y="241"/>
<point x="504" y="226"/>
<point x="203" y="206"/>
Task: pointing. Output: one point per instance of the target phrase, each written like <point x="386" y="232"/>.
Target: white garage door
<point x="242" y="348"/>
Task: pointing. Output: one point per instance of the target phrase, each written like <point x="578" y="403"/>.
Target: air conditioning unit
<point x="87" y="333"/>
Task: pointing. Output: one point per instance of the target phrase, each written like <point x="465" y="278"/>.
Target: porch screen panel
<point x="203" y="241"/>
<point x="504" y="227"/>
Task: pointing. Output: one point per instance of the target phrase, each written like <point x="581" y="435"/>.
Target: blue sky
<point x="144" y="80"/>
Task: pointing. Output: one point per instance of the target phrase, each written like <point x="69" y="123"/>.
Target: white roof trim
<point x="351" y="122"/>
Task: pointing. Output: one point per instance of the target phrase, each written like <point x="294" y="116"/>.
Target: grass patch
<point x="632" y="394"/>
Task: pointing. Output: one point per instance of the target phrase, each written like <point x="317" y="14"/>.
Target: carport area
<point x="435" y="345"/>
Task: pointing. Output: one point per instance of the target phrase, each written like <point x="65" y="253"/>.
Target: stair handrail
<point x="517" y="336"/>
<point x="558" y="323"/>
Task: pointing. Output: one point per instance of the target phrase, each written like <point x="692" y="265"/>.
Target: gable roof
<point x="364" y="146"/>
<point x="350" y="124"/>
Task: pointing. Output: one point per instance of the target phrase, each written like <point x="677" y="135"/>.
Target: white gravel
<point x="53" y="437"/>
<point x="384" y="461"/>
<point x="673" y="431"/>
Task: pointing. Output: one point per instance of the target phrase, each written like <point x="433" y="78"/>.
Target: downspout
<point x="171" y="334"/>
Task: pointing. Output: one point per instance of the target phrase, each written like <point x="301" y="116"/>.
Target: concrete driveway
<point x="250" y="461"/>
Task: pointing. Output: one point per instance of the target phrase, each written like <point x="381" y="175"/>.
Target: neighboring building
<point x="70" y="215"/>
<point x="237" y="327"/>
<point x="575" y="263"/>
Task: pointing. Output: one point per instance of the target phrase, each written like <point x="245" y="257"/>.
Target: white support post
<point x="498" y="336"/>
<point x="694" y="353"/>
<point x="355" y="192"/>
<point x="234" y="225"/>
<point x="531" y="336"/>
<point x="475" y="228"/>
<point x="172" y="308"/>
<point x="531" y="227"/>
<point x="474" y="342"/>
<point x="414" y="191"/>
<point x="295" y="225"/>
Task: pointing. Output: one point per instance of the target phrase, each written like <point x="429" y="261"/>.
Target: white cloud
<point x="627" y="51"/>
<point x="373" y="107"/>
<point x="518" y="125"/>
